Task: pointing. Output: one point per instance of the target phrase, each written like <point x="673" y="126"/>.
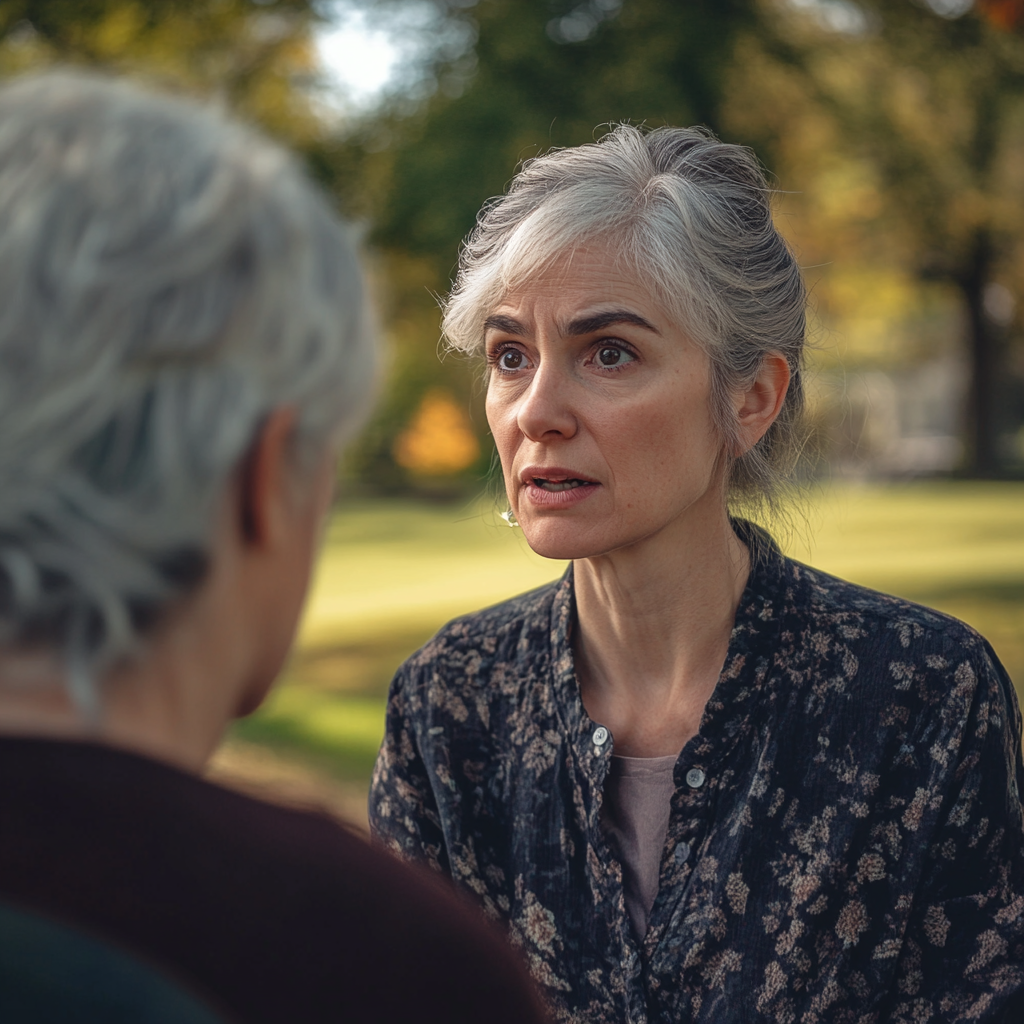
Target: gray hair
<point x="691" y="217"/>
<point x="167" y="279"/>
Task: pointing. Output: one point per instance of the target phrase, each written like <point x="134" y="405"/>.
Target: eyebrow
<point x="581" y="325"/>
<point x="505" y="324"/>
<point x="599" y="321"/>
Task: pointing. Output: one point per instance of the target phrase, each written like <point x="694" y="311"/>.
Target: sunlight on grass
<point x="392" y="573"/>
<point x="958" y="547"/>
<point x="340" y="733"/>
<point x="916" y="536"/>
<point x="409" y="566"/>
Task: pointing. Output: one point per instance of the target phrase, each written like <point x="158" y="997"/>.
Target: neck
<point x="170" y="703"/>
<point x="653" y="629"/>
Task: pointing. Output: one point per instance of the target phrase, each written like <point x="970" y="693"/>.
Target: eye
<point x="613" y="356"/>
<point x="510" y="359"/>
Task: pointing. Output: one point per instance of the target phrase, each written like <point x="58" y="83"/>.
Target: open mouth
<point x="554" y="486"/>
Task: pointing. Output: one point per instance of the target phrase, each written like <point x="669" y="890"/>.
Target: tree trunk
<point x="982" y="413"/>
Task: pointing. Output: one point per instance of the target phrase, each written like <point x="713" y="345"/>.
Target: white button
<point x="600" y="736"/>
<point x="695" y="778"/>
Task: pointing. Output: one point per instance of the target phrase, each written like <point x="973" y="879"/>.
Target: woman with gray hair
<point x="183" y="348"/>
<point x="697" y="780"/>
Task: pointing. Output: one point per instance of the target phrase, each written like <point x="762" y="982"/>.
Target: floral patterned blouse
<point x="845" y="842"/>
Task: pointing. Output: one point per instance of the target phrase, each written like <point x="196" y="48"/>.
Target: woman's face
<point x="600" y="409"/>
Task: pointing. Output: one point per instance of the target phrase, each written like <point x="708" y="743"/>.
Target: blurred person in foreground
<point x="183" y="347"/>
<point x="697" y="780"/>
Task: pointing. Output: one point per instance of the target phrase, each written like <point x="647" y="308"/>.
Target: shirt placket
<point x="699" y="774"/>
<point x="690" y="823"/>
<point x="630" y="964"/>
<point x="593" y="744"/>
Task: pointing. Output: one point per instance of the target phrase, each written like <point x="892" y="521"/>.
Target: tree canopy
<point x="895" y="129"/>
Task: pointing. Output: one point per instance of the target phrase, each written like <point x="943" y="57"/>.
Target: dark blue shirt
<point x="845" y="842"/>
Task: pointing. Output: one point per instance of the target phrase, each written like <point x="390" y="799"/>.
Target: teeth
<point x="560" y="485"/>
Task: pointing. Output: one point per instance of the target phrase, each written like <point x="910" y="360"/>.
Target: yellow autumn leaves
<point x="439" y="440"/>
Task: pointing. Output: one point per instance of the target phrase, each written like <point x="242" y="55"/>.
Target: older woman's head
<point x="168" y="281"/>
<point x="672" y="220"/>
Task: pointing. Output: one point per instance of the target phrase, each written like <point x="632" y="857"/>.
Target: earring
<point x="510" y="517"/>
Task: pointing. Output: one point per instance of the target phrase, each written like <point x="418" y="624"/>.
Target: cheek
<point x="502" y="430"/>
<point x="668" y="436"/>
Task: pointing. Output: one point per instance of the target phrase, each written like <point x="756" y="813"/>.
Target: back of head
<point x="167" y="278"/>
<point x="690" y="217"/>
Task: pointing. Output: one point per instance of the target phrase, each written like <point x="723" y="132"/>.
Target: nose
<point x="545" y="410"/>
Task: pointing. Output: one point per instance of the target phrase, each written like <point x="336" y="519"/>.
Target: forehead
<point x="587" y="277"/>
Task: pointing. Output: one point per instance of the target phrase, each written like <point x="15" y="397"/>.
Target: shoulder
<point x="137" y="824"/>
<point x="515" y="631"/>
<point x="210" y="881"/>
<point x="365" y="917"/>
<point x="822" y="599"/>
<point x="908" y="646"/>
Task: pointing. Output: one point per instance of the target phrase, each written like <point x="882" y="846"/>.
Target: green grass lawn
<point x="391" y="573"/>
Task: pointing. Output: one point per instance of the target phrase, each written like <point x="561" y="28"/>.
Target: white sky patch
<point x="360" y="60"/>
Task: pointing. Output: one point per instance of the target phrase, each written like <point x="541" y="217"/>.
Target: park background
<point x="895" y="132"/>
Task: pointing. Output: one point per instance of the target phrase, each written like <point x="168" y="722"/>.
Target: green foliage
<point x="899" y="135"/>
<point x="523" y="88"/>
<point x="899" y="138"/>
<point x="530" y="89"/>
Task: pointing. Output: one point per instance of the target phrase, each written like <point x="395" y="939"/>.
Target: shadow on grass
<point x="328" y="710"/>
<point x="362" y="667"/>
<point x="337" y="734"/>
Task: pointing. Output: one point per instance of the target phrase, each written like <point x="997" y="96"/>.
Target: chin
<point x="254" y="695"/>
<point x="565" y="540"/>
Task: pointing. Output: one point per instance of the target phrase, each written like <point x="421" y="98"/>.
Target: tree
<point x="935" y="105"/>
<point x="544" y="74"/>
<point x="927" y="106"/>
<point x="257" y="56"/>
<point x="540" y="73"/>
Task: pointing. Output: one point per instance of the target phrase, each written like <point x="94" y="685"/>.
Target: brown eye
<point x="610" y="356"/>
<point x="511" y="359"/>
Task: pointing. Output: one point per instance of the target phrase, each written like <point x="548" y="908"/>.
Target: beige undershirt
<point x="637" y="802"/>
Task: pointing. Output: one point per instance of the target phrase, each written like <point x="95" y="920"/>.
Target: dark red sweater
<point x="273" y="915"/>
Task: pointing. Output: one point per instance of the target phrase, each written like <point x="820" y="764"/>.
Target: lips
<point x="560" y="485"/>
<point x="555" y="477"/>
<point x="553" y="486"/>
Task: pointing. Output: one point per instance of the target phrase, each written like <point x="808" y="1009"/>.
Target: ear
<point x="266" y="480"/>
<point x="759" y="405"/>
